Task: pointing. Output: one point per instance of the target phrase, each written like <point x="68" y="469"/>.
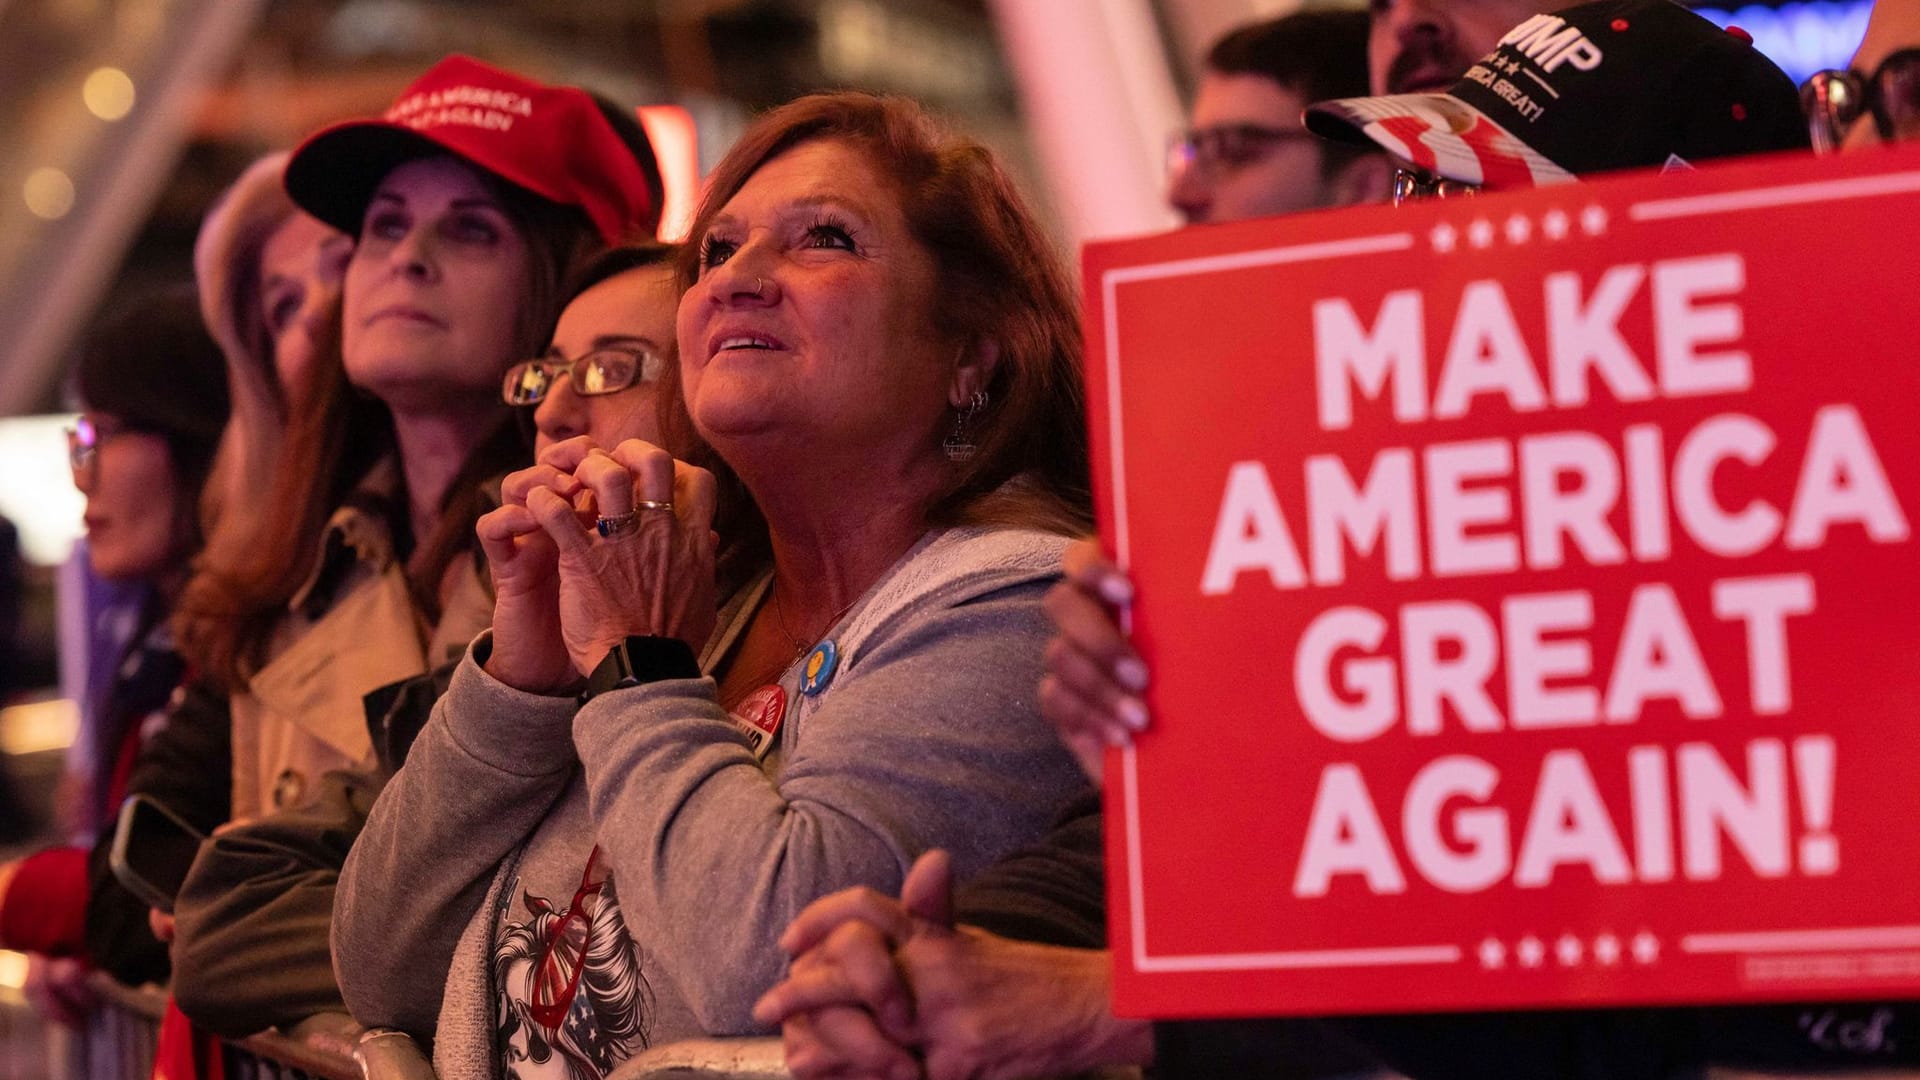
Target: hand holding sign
<point x="1091" y="691"/>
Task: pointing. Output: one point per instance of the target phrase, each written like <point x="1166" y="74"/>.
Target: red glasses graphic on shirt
<point x="563" y="953"/>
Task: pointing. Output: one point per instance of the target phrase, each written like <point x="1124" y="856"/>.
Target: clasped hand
<point x="563" y="594"/>
<point x="886" y="989"/>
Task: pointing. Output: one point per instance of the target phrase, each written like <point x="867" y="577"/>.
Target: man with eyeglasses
<point x="1877" y="99"/>
<point x="1247" y="154"/>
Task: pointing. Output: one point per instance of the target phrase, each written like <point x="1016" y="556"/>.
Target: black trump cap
<point x="1617" y="84"/>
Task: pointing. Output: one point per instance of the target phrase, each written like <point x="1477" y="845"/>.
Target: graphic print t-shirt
<point x="573" y="999"/>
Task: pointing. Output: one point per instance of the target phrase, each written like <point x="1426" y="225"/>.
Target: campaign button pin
<point x="819" y="670"/>
<point x="764" y="708"/>
<point x="758" y="718"/>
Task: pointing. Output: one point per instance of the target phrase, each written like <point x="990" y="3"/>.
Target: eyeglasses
<point x="602" y="371"/>
<point x="562" y="960"/>
<point x="1833" y="100"/>
<point x="1227" y="146"/>
<point x="1411" y="184"/>
<point x="84" y="440"/>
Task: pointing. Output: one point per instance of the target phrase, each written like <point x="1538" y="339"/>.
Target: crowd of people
<point x="574" y="643"/>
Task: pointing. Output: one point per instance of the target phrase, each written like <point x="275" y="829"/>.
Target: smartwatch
<point x="640" y="660"/>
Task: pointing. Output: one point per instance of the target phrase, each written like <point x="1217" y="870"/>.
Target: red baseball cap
<point x="551" y="140"/>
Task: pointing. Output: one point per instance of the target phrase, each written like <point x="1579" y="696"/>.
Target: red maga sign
<point x="1530" y="590"/>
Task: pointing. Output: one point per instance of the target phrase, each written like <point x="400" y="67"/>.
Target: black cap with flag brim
<point x="1617" y="84"/>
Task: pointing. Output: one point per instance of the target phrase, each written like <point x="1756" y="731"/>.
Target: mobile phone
<point x="153" y="848"/>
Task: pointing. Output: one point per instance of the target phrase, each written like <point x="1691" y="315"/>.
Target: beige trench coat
<point x="353" y="628"/>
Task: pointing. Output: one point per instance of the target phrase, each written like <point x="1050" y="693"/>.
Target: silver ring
<point x="651" y="504"/>
<point x="615" y="525"/>
<point x="759" y="286"/>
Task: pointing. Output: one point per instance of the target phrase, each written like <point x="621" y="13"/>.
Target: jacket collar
<point x="360" y="533"/>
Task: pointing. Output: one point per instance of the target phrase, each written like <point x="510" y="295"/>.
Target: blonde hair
<point x="227" y="266"/>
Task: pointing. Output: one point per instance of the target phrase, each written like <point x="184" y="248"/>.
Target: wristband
<point x="640" y="660"/>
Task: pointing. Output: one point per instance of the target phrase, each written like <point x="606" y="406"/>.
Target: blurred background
<point x="121" y="119"/>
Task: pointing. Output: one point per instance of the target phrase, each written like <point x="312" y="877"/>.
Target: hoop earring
<point x="959" y="445"/>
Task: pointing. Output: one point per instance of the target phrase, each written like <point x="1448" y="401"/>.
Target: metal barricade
<point x="121" y="1034"/>
<point x="120" y="1037"/>
<point x="319" y="1046"/>
<point x="708" y="1059"/>
<point x="384" y="1054"/>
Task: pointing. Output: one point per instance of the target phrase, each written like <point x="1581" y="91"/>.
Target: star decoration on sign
<point x="1493" y="954"/>
<point x="1819" y="855"/>
<point x="1518" y="229"/>
<point x="1569" y="950"/>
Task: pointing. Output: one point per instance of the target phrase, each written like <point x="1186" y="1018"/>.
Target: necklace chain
<point x="800" y="645"/>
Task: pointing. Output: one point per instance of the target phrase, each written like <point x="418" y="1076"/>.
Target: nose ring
<point x="759" y="287"/>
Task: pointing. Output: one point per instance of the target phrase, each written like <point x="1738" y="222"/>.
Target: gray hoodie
<point x="490" y="862"/>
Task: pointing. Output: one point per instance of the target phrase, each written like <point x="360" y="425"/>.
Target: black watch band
<point x="641" y="660"/>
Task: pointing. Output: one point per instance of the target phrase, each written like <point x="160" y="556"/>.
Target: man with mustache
<point x="1425" y="45"/>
